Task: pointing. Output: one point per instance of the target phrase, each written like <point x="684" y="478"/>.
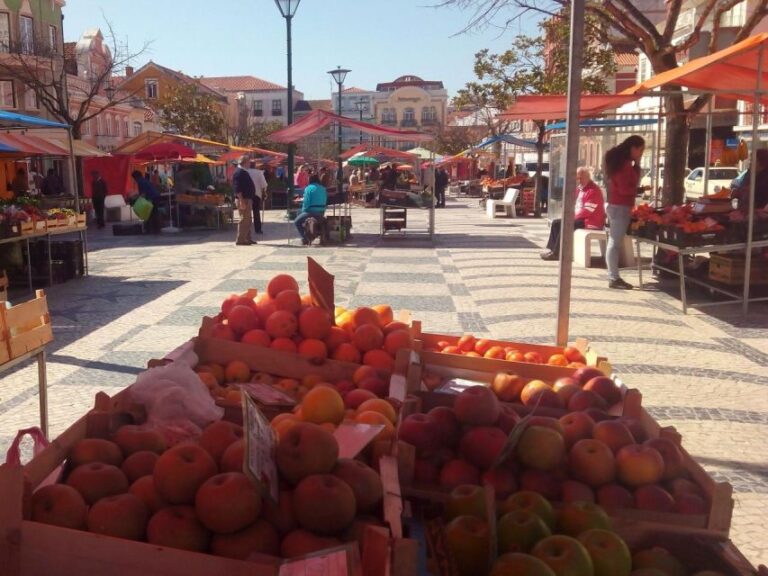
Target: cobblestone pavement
<point x="705" y="374"/>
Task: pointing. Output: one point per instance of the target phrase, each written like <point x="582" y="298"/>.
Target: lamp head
<point x="287" y="7"/>
<point x="339" y="74"/>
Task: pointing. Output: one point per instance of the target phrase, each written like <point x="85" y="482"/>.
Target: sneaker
<point x="305" y="242"/>
<point x="244" y="243"/>
<point x="549" y="255"/>
<point x="620" y="284"/>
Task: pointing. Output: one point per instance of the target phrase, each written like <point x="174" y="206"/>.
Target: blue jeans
<point x="300" y="219"/>
<point x="618" y="216"/>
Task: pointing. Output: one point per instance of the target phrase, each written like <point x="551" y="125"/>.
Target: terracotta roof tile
<point x="239" y="83"/>
<point x="321" y="105"/>
<point x="626" y="59"/>
<point x="354" y="90"/>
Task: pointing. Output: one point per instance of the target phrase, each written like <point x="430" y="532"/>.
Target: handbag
<point x="142" y="208"/>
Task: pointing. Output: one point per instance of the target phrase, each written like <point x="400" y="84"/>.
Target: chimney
<point x="128" y="71"/>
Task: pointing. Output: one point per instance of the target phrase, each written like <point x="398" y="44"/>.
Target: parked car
<point x="719" y="177"/>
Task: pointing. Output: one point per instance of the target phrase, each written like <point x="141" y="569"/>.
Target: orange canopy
<point x="731" y="72"/>
<point x="379" y="152"/>
<point x="555" y="107"/>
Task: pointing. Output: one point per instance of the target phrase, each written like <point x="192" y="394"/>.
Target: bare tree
<point x="627" y="24"/>
<point x="41" y="68"/>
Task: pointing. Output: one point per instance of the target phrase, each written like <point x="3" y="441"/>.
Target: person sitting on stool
<point x="313" y="204"/>
<point x="590" y="212"/>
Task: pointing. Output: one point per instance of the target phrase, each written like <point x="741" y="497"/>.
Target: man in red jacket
<point x="590" y="212"/>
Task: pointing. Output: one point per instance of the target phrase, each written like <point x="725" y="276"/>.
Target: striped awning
<point x="31" y="145"/>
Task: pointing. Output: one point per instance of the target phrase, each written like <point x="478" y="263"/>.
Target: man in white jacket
<point x="260" y="183"/>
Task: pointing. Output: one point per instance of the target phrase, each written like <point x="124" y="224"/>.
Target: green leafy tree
<point x="451" y="140"/>
<point x="257" y="135"/>
<point x="534" y="65"/>
<point x="186" y="110"/>
<point x="641" y="25"/>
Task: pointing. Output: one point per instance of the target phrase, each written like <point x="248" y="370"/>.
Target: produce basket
<point x="729" y="269"/>
<point x="26" y="326"/>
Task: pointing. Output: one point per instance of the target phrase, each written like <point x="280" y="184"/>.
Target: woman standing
<point x="622" y="169"/>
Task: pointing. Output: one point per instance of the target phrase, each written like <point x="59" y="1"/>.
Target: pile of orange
<point x="469" y="345"/>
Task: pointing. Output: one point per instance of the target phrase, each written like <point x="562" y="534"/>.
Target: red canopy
<point x="555" y="107"/>
<point x="378" y="152"/>
<point x="163" y="151"/>
<point x="319" y="119"/>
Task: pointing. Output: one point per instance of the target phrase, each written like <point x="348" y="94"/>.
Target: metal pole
<point x="707" y="147"/>
<point x="657" y="153"/>
<point x="339" y="172"/>
<point x="572" y="159"/>
<point x="73" y="170"/>
<point x="291" y="146"/>
<point x="752" y="182"/>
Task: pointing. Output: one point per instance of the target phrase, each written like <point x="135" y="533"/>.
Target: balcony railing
<point x="428" y="121"/>
<point x="408" y="122"/>
<point x="389" y="121"/>
<point x="277" y="112"/>
<point x="258" y="112"/>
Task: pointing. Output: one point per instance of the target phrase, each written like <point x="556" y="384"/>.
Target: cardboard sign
<point x="352" y="438"/>
<point x="321" y="286"/>
<point x="259" y="459"/>
<point x="266" y="395"/>
<point x="458" y="385"/>
<point x="331" y="562"/>
<point x="398" y="387"/>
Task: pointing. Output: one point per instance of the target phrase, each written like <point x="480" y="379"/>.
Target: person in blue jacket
<point x="313" y="204"/>
<point x="146" y="189"/>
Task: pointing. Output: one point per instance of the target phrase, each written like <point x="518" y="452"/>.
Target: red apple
<point x="565" y="555"/>
<point x="502" y="480"/>
<point x="605" y="388"/>
<point x="469" y="542"/>
<point x="121" y="516"/>
<point x="636" y="427"/>
<point x="516" y="564"/>
<point x="421" y="432"/>
<point x="545" y="483"/>
<point x="674" y="465"/>
<point x="577" y="517"/>
<point x="477" y="406"/>
<point x="637" y="465"/>
<point x="660" y="559"/>
<point x="540" y="448"/>
<point x="576" y="426"/>
<point x="95" y="481"/>
<point x="684" y="486"/>
<point x="592" y="462"/>
<point x="508" y="419"/>
<point x="465" y="500"/>
<point x="547" y="422"/>
<point x="355" y="397"/>
<point x="181" y="470"/>
<point x="565" y="388"/>
<point x="654" y="497"/>
<point x="584" y="400"/>
<point x="227" y="503"/>
<point x="528" y="501"/>
<point x="613" y="434"/>
<point x="482" y="445"/>
<point x="507" y="386"/>
<point x="584" y="375"/>
<point x="539" y="394"/>
<point x="573" y="491"/>
<point x="615" y="497"/>
<point x="178" y="527"/>
<point x="690" y="504"/>
<point x="448" y="425"/>
<point x="457" y="472"/>
<point x="60" y="505"/>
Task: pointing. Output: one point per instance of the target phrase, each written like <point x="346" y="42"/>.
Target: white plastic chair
<point x="508" y="203"/>
<point x="116" y="210"/>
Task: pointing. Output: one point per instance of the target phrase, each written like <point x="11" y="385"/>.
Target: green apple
<point x="660" y="559"/>
<point x="540" y="448"/>
<point x="565" y="555"/>
<point x="469" y="540"/>
<point x="466" y="500"/>
<point x="516" y="564"/>
<point x="578" y="517"/>
<point x="520" y="530"/>
<point x="529" y="501"/>
<point x="610" y="554"/>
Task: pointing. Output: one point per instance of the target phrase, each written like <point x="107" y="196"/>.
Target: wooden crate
<point x="56" y="223"/>
<point x="24" y="228"/>
<point x="29" y="548"/>
<point x="80" y="220"/>
<point x="3" y="286"/>
<point x="729" y="269"/>
<point x="430" y="341"/>
<point x="27" y="325"/>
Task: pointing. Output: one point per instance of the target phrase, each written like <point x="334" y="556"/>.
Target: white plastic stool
<point x="508" y="203"/>
<point x="582" y="248"/>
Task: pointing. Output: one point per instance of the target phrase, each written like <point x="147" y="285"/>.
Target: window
<point x="125" y="128"/>
<point x="409" y="114"/>
<point x="7" y="97"/>
<point x="5" y="32"/>
<point x="107" y="126"/>
<point x="258" y="108"/>
<point x="30" y="100"/>
<point x="116" y="127"/>
<point x="137" y="128"/>
<point x="388" y="116"/>
<point x="52" y="36"/>
<point x="85" y="127"/>
<point x="98" y="126"/>
<point x="27" y="34"/>
<point x="428" y="114"/>
<point x="151" y="89"/>
<point x="277" y="107"/>
<point x="736" y="16"/>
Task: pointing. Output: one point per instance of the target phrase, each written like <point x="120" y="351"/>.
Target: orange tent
<point x="555" y="107"/>
<point x="730" y="73"/>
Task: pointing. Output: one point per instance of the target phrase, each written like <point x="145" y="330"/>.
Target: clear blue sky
<point x="377" y="40"/>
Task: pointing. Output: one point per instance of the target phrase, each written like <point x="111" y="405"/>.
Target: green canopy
<point x="362" y="161"/>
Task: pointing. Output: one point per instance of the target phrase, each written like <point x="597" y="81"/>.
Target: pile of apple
<point x="469" y="345"/>
<point x="582" y="456"/>
<point x="534" y="540"/>
<point x="194" y="495"/>
<point x="283" y="319"/>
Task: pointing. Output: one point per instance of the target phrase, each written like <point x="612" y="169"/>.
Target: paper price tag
<point x="458" y="385"/>
<point x="267" y="395"/>
<point x="260" y="442"/>
<point x="330" y="564"/>
<point x="352" y="438"/>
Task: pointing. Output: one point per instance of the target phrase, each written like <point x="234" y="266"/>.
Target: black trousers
<point x="257" y="214"/>
<point x="553" y="244"/>
<point x="440" y="196"/>
<point x="98" y="207"/>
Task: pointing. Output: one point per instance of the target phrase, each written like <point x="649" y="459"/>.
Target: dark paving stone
<point x="450" y="270"/>
<point x="516" y="273"/>
<point x="480" y="241"/>
<point x="402" y="278"/>
<point x="443" y="253"/>
<point x="699" y="413"/>
<point x="610" y="317"/>
<point x="472" y="322"/>
<point x="458" y="290"/>
<point x="236" y="285"/>
<point x="190" y="315"/>
<point x="488" y="301"/>
<point x="743" y="349"/>
<point x="725" y="376"/>
<point x="126" y="336"/>
<point x="405" y="260"/>
<point x="279" y="266"/>
<point x="427" y="303"/>
<point x="193" y="296"/>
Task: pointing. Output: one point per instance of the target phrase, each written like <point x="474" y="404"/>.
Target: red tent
<point x="555" y="107"/>
<point x="319" y="119"/>
<point x="379" y="152"/>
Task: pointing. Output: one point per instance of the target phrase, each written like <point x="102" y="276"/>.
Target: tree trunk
<point x="539" y="178"/>
<point x="675" y="151"/>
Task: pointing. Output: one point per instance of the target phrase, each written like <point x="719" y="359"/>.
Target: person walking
<point x="98" y="194"/>
<point x="260" y="184"/>
<point x="154" y="222"/>
<point x="245" y="190"/>
<point x="441" y="183"/>
<point x="622" y="170"/>
<point x="589" y="212"/>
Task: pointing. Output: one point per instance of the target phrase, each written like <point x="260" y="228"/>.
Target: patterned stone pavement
<point x="704" y="373"/>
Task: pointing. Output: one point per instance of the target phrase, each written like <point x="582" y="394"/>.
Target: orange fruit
<point x="451" y="350"/>
<point x="288" y="300"/>
<point x="265" y="308"/>
<point x="467" y="343"/>
<point x="310" y="380"/>
<point x="233" y="396"/>
<point x="237" y="371"/>
<point x="364" y="315"/>
<point x="473" y="354"/>
<point x="380" y="360"/>
<point x="362" y="373"/>
<point x="557" y="360"/>
<point x="533" y="357"/>
<point x="256" y="337"/>
<point x="280" y="417"/>
<point x="335" y="337"/>
<point x="314" y="322"/>
<point x="482" y="345"/>
<point x="515" y="356"/>
<point x="281" y="324"/>
<point x="323" y="404"/>
<point x="442" y="344"/>
<point x="346" y="321"/>
<point x="496" y="352"/>
<point x="216" y="369"/>
<point x="281" y="282"/>
<point x="346" y="352"/>
<point x="283" y="344"/>
<point x="396" y="340"/>
<point x="381" y="406"/>
<point x="312" y="349"/>
<point x="282" y="427"/>
<point x="573" y="354"/>
<point x="385" y="314"/>
<point x="367" y="337"/>
<point x="371" y="417"/>
<point x="392" y="326"/>
<point x="306" y="300"/>
<point x="208" y="379"/>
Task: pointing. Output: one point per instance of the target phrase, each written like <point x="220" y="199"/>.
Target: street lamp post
<point x="339" y="75"/>
<point x="360" y="105"/>
<point x="287" y="10"/>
